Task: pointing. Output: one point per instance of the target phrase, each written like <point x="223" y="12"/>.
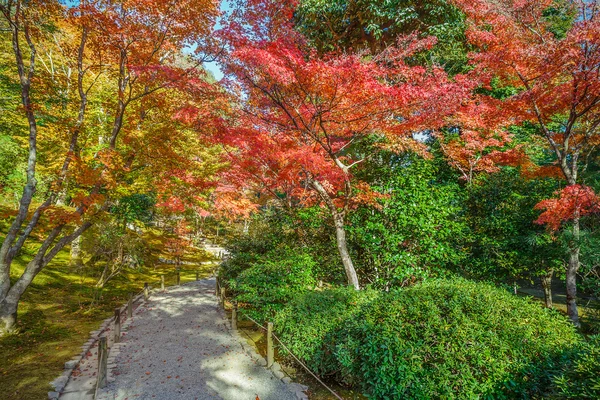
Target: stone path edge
<point x="61" y="382"/>
<point x="275" y="369"/>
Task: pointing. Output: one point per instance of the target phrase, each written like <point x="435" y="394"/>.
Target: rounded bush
<point x="440" y="339"/>
<point x="310" y="324"/>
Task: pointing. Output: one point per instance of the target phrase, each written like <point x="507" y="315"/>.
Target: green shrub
<point x="580" y="377"/>
<point x="273" y="281"/>
<point x="244" y="252"/>
<point x="310" y="324"/>
<point x="439" y="339"/>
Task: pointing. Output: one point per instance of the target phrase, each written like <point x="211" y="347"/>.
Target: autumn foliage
<point x="574" y="201"/>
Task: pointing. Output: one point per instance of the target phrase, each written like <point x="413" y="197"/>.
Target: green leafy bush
<point x="580" y="377"/>
<point x="439" y="339"/>
<point x="414" y="232"/>
<point x="244" y="252"/>
<point x="272" y="282"/>
<point x="310" y="324"/>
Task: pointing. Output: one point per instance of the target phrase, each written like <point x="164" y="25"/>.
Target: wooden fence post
<point x="269" y="344"/>
<point x="130" y="306"/>
<point x="217" y="291"/>
<point x="234" y="317"/>
<point x="117" y="332"/>
<point x="178" y="278"/>
<point x="146" y="291"/>
<point x="162" y="283"/>
<point x="223" y="297"/>
<point x="102" y="363"/>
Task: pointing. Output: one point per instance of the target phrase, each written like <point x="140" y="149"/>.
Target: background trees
<point x="374" y="25"/>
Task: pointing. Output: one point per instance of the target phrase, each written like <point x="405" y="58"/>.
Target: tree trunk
<point x="340" y="234"/>
<point x="547" y="285"/>
<point x="572" y="269"/>
<point x="76" y="251"/>
<point x="8" y="317"/>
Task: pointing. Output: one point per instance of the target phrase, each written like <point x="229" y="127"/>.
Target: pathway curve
<point x="179" y="347"/>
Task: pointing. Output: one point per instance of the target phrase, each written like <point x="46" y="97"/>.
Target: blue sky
<point x="213" y="67"/>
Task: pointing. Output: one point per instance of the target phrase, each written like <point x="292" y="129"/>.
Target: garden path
<point x="178" y="346"/>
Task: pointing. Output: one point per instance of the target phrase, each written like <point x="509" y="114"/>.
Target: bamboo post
<point x="146" y="291"/>
<point x="234" y="317"/>
<point x="269" y="344"/>
<point x="130" y="306"/>
<point x="117" y="332"/>
<point x="223" y="298"/>
<point x="162" y="283"/>
<point x="102" y="363"/>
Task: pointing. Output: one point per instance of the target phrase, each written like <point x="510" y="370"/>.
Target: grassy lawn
<point x="57" y="313"/>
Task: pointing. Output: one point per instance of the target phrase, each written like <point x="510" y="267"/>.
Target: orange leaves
<point x="553" y="74"/>
<point x="574" y="201"/>
<point x="172" y="204"/>
<point x="233" y="202"/>
<point x="367" y="196"/>
<point x="61" y="215"/>
<point x="177" y="244"/>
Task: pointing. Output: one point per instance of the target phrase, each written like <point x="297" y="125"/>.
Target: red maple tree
<point x="120" y="54"/>
<point x="303" y="116"/>
<point x="557" y="81"/>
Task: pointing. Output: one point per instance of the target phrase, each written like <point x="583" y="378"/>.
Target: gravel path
<point x="178" y="347"/>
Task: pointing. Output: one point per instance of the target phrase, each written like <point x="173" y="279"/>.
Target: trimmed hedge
<point x="310" y="324"/>
<point x="440" y="339"/>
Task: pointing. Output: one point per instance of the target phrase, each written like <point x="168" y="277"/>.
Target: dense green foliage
<point x="439" y="339"/>
<point x="273" y="281"/>
<point x="580" y="377"/>
<point x="375" y="24"/>
<point x="505" y="242"/>
<point x="413" y="232"/>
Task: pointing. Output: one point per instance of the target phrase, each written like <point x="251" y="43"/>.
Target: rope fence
<point x="221" y="292"/>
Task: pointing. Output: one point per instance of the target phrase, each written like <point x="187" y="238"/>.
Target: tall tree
<point x="553" y="67"/>
<point x="303" y="115"/>
<point x="131" y="48"/>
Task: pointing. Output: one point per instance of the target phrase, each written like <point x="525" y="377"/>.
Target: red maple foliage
<point x="573" y="201"/>
<point x="555" y="76"/>
<point x="556" y="80"/>
<point x="300" y="129"/>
